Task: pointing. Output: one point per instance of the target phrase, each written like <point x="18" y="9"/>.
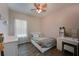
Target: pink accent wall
<point x="68" y="17"/>
<point x="4" y="14"/>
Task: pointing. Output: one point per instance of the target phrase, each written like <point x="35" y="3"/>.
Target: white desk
<point x="66" y="39"/>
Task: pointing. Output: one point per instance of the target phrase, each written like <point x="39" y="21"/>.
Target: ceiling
<point x="26" y="8"/>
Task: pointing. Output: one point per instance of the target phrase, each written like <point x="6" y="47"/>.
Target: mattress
<point x="45" y="42"/>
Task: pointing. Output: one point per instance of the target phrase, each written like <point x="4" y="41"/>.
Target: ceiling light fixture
<point x="40" y="7"/>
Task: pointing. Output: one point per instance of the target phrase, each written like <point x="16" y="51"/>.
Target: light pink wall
<point x="33" y="23"/>
<point x="68" y="17"/>
<point x="4" y="15"/>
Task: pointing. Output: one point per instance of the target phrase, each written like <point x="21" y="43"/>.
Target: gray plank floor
<point x="27" y="49"/>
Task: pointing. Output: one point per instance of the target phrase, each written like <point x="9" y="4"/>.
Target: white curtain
<point x="20" y="28"/>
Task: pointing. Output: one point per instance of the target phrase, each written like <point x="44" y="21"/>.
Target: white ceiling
<point x="26" y="8"/>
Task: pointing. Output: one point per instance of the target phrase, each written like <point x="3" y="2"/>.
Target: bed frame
<point x="42" y="50"/>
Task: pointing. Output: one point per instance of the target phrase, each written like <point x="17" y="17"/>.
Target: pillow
<point x="36" y="34"/>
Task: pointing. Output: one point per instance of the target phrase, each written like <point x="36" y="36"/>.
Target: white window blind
<point x="20" y="28"/>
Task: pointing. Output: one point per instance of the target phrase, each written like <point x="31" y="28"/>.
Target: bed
<point x="43" y="44"/>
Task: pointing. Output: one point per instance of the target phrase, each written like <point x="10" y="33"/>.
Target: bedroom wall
<point x="68" y="17"/>
<point x="4" y="14"/>
<point x="33" y="23"/>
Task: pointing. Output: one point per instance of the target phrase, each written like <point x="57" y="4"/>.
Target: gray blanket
<point x="45" y="42"/>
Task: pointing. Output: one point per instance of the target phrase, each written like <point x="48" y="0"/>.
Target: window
<point x="20" y="28"/>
